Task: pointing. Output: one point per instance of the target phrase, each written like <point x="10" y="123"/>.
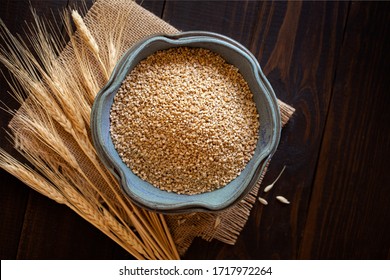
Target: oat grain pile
<point x="185" y="121"/>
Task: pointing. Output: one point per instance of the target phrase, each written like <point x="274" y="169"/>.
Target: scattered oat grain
<point x="263" y="201"/>
<point x="282" y="199"/>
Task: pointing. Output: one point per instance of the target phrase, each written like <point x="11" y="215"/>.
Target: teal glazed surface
<point x="143" y="193"/>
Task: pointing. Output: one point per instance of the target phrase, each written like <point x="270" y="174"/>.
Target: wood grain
<point x="301" y="68"/>
<point x="53" y="231"/>
<point x="347" y="214"/>
<point x="48" y="225"/>
<point x="231" y="18"/>
<point x="330" y="61"/>
<point x="14" y="195"/>
<point x="301" y="73"/>
<point x="35" y="227"/>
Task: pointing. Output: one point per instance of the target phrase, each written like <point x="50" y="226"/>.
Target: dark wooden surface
<point x="330" y="60"/>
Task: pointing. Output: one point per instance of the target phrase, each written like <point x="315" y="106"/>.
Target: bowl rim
<point x="180" y="39"/>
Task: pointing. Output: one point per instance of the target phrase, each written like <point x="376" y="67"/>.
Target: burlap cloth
<point x="224" y="226"/>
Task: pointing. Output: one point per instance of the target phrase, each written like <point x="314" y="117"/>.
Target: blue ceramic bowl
<point x="143" y="193"/>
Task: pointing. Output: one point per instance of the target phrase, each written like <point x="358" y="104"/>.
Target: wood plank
<point x="348" y="216"/>
<point x="297" y="43"/>
<point x="230" y="18"/>
<point x="13" y="201"/>
<point x="235" y="19"/>
<point x="156" y="7"/>
<point x="48" y="225"/>
<point x="53" y="231"/>
<point x="299" y="59"/>
<point x="17" y="26"/>
<point x="33" y="227"/>
<point x="13" y="193"/>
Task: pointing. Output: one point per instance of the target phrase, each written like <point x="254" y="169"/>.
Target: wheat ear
<point x="88" y="39"/>
<point x="58" y="98"/>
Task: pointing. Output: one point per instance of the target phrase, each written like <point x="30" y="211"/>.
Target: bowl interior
<point x="142" y="192"/>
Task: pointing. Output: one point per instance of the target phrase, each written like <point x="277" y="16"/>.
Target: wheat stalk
<point x="53" y="92"/>
<point x="71" y="189"/>
<point x="88" y="39"/>
<point x="48" y="136"/>
<point x="55" y="118"/>
<point x="29" y="177"/>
